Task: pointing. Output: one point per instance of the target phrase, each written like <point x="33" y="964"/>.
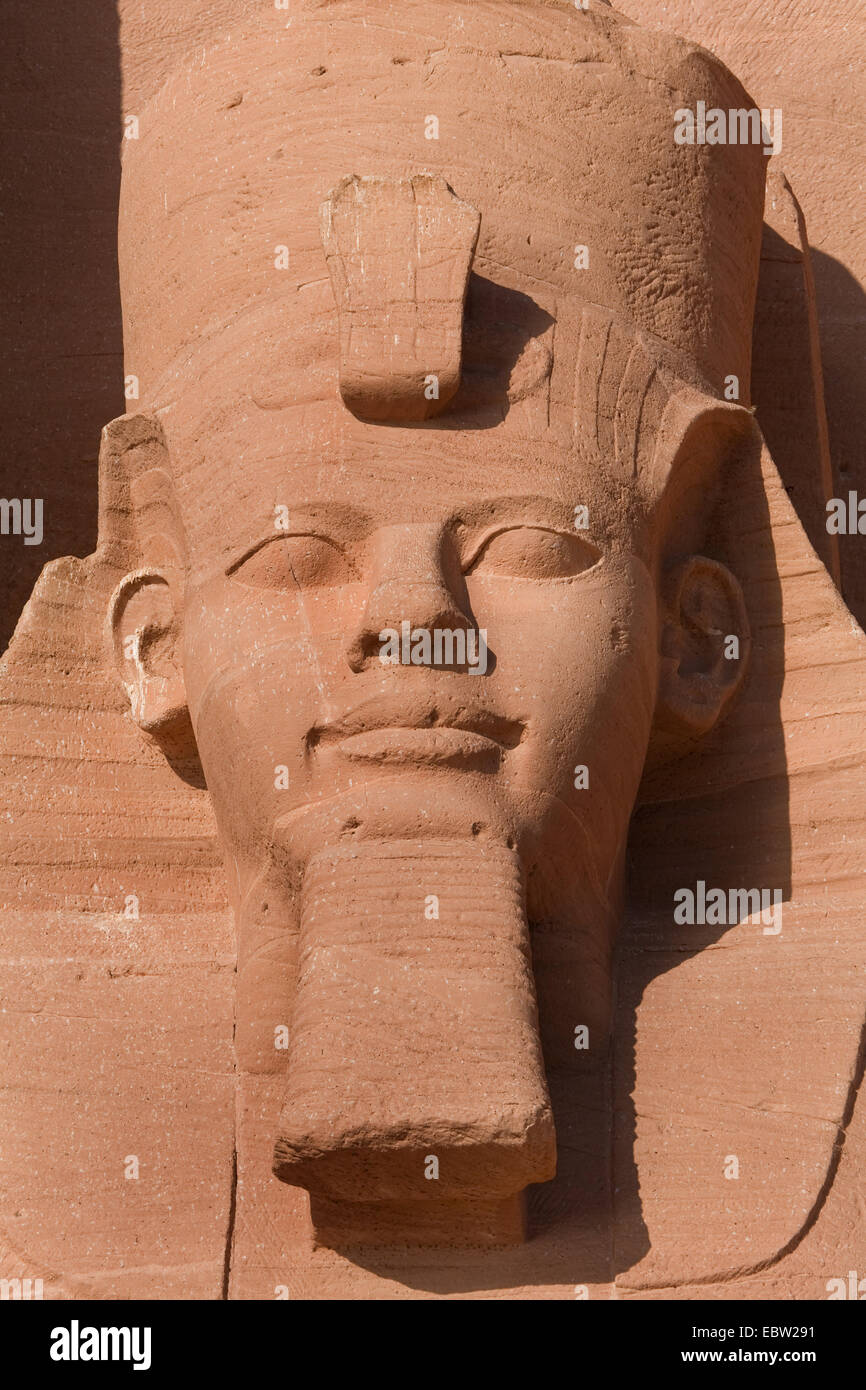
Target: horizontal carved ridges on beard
<point x="415" y="1030"/>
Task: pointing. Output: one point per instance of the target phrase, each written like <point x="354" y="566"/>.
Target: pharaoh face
<point x="309" y="731"/>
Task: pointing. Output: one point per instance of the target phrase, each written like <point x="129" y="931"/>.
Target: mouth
<point x="399" y="731"/>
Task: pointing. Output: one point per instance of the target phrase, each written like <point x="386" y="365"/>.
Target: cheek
<point x="580" y="661"/>
<point x="249" y="726"/>
<point x="290" y="644"/>
<point x="258" y="670"/>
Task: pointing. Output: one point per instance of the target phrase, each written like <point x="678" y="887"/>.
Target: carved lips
<point x="393" y="730"/>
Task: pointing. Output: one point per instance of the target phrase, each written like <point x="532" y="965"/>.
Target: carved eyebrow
<point x="529" y="510"/>
<point x="234" y="565"/>
<point x="477" y="523"/>
<point x="332" y="521"/>
<point x="503" y="527"/>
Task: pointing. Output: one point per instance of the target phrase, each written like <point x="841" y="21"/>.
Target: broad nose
<point x="416" y="579"/>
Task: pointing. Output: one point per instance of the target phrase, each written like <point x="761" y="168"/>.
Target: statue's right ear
<point x="145" y="621"/>
<point x="141" y="538"/>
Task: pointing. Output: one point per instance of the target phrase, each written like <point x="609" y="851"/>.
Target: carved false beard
<point x="417" y="1104"/>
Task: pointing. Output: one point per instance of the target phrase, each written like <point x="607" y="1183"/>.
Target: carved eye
<point x="294" y="562"/>
<point x="531" y="552"/>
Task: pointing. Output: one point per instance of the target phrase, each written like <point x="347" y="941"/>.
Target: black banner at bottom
<point x="59" y="1339"/>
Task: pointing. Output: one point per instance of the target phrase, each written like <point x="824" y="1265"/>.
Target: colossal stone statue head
<point x="411" y="390"/>
<point x="443" y="350"/>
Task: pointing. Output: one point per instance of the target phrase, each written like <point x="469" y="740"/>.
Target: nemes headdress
<point x="444" y="218"/>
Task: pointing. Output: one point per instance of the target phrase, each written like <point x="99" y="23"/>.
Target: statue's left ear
<point x="144" y="617"/>
<point x="705" y="644"/>
<point x="704" y="627"/>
